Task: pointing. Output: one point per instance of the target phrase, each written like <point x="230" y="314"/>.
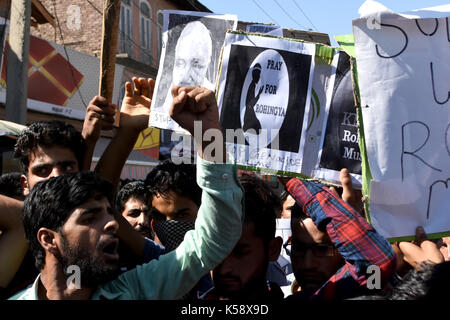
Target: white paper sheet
<point x="192" y="42"/>
<point x="403" y="71"/>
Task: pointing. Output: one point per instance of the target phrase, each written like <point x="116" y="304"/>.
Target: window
<point x="125" y="19"/>
<point x="145" y="24"/>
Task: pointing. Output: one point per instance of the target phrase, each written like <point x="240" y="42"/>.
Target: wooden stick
<point x="110" y="31"/>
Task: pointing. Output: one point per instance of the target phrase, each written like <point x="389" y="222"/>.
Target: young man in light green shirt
<point x="90" y="228"/>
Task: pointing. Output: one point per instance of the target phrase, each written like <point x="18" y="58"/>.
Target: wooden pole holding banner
<point x="110" y="31"/>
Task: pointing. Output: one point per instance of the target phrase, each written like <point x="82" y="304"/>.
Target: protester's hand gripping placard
<point x="191" y="45"/>
<point x="403" y="67"/>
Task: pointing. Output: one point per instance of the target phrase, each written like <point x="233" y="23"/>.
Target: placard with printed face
<point x="191" y="46"/>
<point x="264" y="94"/>
<point x="339" y="144"/>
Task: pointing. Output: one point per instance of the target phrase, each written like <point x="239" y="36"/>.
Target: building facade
<point x="79" y="26"/>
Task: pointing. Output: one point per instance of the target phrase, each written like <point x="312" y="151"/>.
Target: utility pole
<point x="17" y="69"/>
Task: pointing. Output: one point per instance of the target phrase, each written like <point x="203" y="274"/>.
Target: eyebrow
<point x="91" y="211"/>
<point x="135" y="210"/>
<point x="96" y="210"/>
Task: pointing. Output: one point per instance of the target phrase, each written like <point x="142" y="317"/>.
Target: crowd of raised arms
<point x="189" y="231"/>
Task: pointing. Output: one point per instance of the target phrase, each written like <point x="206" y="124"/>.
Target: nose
<point x="56" y="172"/>
<point x="111" y="225"/>
<point x="224" y="268"/>
<point x="187" y="78"/>
<point x="143" y="220"/>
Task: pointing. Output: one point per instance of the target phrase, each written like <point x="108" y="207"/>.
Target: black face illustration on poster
<point x="340" y="147"/>
<point x="266" y="86"/>
<point x="191" y="54"/>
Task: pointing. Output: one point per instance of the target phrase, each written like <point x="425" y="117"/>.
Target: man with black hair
<point x="175" y="198"/>
<point x="10" y="186"/>
<point x="131" y="202"/>
<point x="242" y="275"/>
<point x="69" y="221"/>
<point x="333" y="245"/>
<point x="47" y="149"/>
<point x="51" y="148"/>
<point x="288" y="203"/>
<point x="90" y="226"/>
<point x="430" y="282"/>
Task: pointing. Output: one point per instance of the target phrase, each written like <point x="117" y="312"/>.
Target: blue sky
<point x="328" y="16"/>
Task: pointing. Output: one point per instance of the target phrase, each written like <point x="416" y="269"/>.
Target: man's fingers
<point x="106" y="111"/>
<point x="412" y="253"/>
<point x="347" y="186"/>
<point x="151" y="86"/>
<point x="175" y="91"/>
<point x="429" y="247"/>
<point x="98" y="101"/>
<point x="200" y="99"/>
<point x="128" y="89"/>
<point x="204" y="100"/>
<point x="187" y="88"/>
<point x="144" y="87"/>
<point x="106" y="119"/>
<point x="191" y="93"/>
<point x="349" y="195"/>
<point x="178" y="104"/>
<point x="137" y="87"/>
<point x="421" y="236"/>
<point x="333" y="189"/>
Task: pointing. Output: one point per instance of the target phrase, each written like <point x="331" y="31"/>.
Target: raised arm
<point x="13" y="245"/>
<point x="99" y="116"/>
<point x="134" y="115"/>
<point x="357" y="241"/>
<point x="218" y="225"/>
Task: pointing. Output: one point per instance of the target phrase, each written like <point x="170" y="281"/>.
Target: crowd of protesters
<point x="189" y="231"/>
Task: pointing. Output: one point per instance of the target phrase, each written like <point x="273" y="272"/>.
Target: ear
<point x="47" y="239"/>
<point x="275" y="248"/>
<point x="151" y="226"/>
<point x="156" y="239"/>
<point x="24" y="184"/>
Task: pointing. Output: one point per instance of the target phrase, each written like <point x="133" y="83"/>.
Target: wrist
<point x="132" y="132"/>
<point x="214" y="145"/>
<point x="90" y="140"/>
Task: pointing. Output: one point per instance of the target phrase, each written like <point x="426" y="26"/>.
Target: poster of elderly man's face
<point x="192" y="42"/>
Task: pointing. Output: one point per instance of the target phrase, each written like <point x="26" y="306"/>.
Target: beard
<point x="255" y="287"/>
<point x="93" y="270"/>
